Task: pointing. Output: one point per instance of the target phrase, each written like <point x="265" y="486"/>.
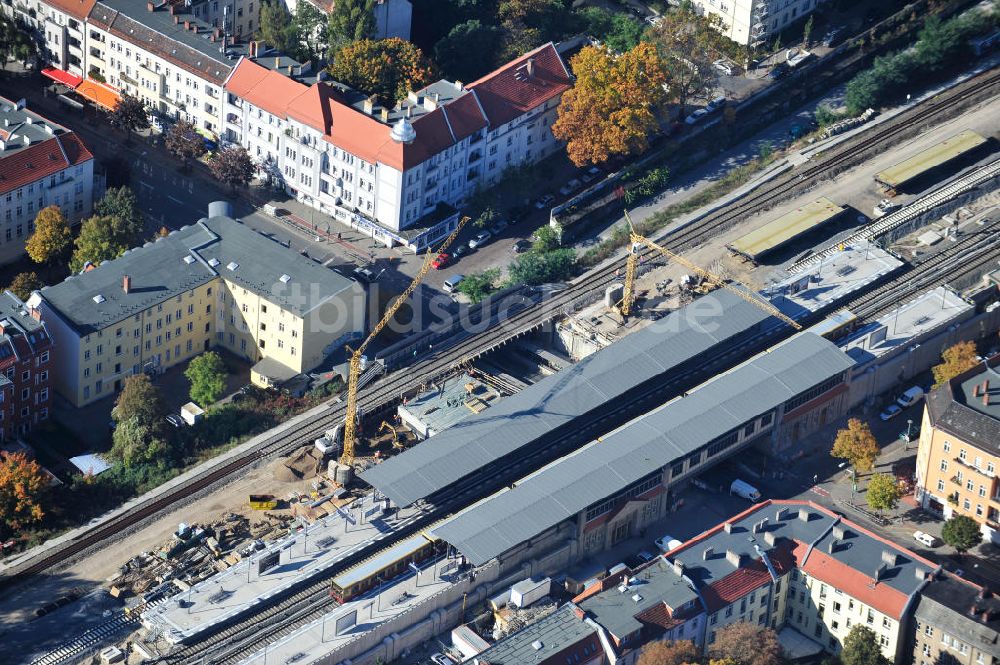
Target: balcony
<point x="97" y="55"/>
<point x="127" y="79"/>
<point x="475" y="157"/>
<point x="972" y="467"/>
<point x="955" y="480"/>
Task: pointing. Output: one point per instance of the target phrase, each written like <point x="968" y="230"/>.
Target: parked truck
<point x="745" y="490"/>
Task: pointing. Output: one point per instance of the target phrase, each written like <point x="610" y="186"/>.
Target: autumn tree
<point x="747" y="644"/>
<point x="207" y="374"/>
<point x="100" y="240"/>
<point x="51" y="239"/>
<point x="276" y="27"/>
<point x="857" y="445"/>
<point x="184" y="141"/>
<point x="861" y="647"/>
<point x="121" y="204"/>
<point x="684" y="42"/>
<point x="129" y="115"/>
<point x="22" y="492"/>
<point x="385" y="68"/>
<point x="139" y="399"/>
<point x="955" y="359"/>
<point x="24" y="283"/>
<point x="961" y="532"/>
<point x="233" y="166"/>
<point x="611" y="109"/>
<point x="351" y="21"/>
<point x="883" y="492"/>
<point x="669" y="653"/>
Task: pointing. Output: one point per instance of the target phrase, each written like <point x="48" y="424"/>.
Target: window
<point x="870" y="619"/>
<point x="940" y="485"/>
<point x="947" y="447"/>
<point x="944" y="465"/>
<point x="962" y="454"/>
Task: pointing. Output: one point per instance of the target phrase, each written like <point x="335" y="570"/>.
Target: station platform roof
<point x="776" y="233"/>
<point x="942" y="153"/>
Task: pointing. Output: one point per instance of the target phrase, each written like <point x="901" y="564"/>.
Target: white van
<point x="745" y="490"/>
<point x="910" y="397"/>
<point x="667" y="542"/>
<point x="925" y="539"/>
<point x="452" y="283"/>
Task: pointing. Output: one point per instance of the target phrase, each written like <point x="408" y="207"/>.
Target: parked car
<point x="481" y="239"/>
<point x="592" y="174"/>
<point x="569" y="187"/>
<point x="520" y="246"/>
<point x="724" y="67"/>
<point x="544" y="202"/>
<point x="745" y="490"/>
<point x="452" y="283"/>
<point x="175" y="420"/>
<point x="646" y="556"/>
<point x="780" y="71"/>
<point x="890" y="412"/>
<point x="925" y="539"/>
<point x="441" y="261"/>
<point x="498" y="227"/>
<point x="461" y="251"/>
<point x="716" y="104"/>
<point x="364" y="275"/>
<point x="696" y="117"/>
<point x="833" y="37"/>
<point x="441" y="659"/>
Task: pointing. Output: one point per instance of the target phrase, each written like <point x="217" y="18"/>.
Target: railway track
<point x="537" y="312"/>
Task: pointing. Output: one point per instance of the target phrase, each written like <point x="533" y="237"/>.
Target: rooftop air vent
<point x="636" y="598"/>
<point x="213" y="262"/>
<point x="232" y="265"/>
<point x="284" y="279"/>
<point x="189" y="259"/>
<point x="537" y="645"/>
<point x="99" y="298"/>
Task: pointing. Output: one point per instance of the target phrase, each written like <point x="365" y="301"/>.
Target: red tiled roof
<point x="75" y="8"/>
<point x="465" y="116"/>
<point x="658" y="615"/>
<point x="41" y="160"/>
<point x="509" y="92"/>
<point x="735" y="585"/>
<point x="854" y="583"/>
<point x="264" y="88"/>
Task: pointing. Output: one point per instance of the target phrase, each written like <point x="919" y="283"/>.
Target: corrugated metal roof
<point x="520" y="420"/>
<point x="657" y="439"/>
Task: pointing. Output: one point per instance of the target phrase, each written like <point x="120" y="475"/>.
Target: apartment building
<point x="957" y="457"/>
<point x="392" y="17"/>
<point x="956" y="621"/>
<point x="25" y="363"/>
<point x="41" y="164"/>
<point x="397" y="173"/>
<point x="795" y="564"/>
<point x="215" y="283"/>
<point x="58" y="27"/>
<point x="756" y="22"/>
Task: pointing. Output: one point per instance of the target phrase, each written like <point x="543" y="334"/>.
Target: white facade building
<point x="756" y="22"/>
<point x="396" y="173"/>
<point x="58" y="27"/>
<point x="41" y="164"/>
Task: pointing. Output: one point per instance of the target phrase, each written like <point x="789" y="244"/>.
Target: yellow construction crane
<point x="354" y="373"/>
<point x="746" y="293"/>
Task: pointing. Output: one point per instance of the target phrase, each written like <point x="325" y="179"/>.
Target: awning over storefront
<point x="101" y="94"/>
<point x="62" y="76"/>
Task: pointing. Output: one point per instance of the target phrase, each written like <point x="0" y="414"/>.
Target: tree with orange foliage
<point x="611" y="109"/>
<point x="22" y="486"/>
<point x="385" y="68"/>
<point x="955" y="359"/>
<point x="669" y="653"/>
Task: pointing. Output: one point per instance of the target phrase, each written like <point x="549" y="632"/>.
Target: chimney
<point x="780" y="514"/>
<point x="177" y="19"/>
<point x="384" y="114"/>
<point x="983" y="594"/>
<point x="150" y="7"/>
<point x="974" y="610"/>
<point x="804" y="514"/>
<point x="253" y="49"/>
<point x="986" y="399"/>
<point x="368" y="105"/>
<point x="770" y="538"/>
<point x="277" y="62"/>
<point x="678" y="567"/>
<point x="975" y="390"/>
<point x="707" y="554"/>
<point x="211" y="37"/>
<point x="173" y="9"/>
<point x="889" y="557"/>
<point x="986" y="616"/>
<point x="880" y="571"/>
<point x="530" y="67"/>
<point x="921" y="575"/>
<point x="832" y="547"/>
<point x="187" y="25"/>
<point x="839" y="532"/>
<point x="760" y="526"/>
<point x="126" y="283"/>
<point x="728" y="527"/>
<point x="734" y="558"/>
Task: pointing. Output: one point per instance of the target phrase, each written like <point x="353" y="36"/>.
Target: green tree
<point x="15" y="43"/>
<point x="387" y="68"/>
<point x="129" y="115"/>
<point x="685" y="42"/>
<point x="276" y="28"/>
<point x="545" y="239"/>
<point x="311" y="29"/>
<point x="24" y="283"/>
<point x="467" y="51"/>
<point x="23" y="486"/>
<point x="207" y="374"/>
<point x="121" y="204"/>
<point x="747" y="644"/>
<point x="861" y="647"/>
<point x="51" y="239"/>
<point x="183" y="139"/>
<point x="100" y="240"/>
<point x="883" y="492"/>
<point x="480" y="284"/>
<point x="618" y="31"/>
<point x="233" y="166"/>
<point x="139" y="399"/>
<point x="807" y="32"/>
<point x="135" y="444"/>
<point x="541" y="268"/>
<point x="351" y="21"/>
<point x="857" y="445"/>
<point x="527" y="24"/>
<point x="955" y="360"/>
<point x="962" y="533"/>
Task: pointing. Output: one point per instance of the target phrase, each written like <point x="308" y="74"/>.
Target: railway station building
<point x="615" y="486"/>
<point x="215" y="283"/>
